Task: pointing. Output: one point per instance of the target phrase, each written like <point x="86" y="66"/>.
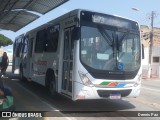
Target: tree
<point x="5" y="41"/>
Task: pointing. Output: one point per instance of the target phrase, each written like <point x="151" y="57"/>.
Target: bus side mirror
<point x="142" y="51"/>
<point x="75" y="33"/>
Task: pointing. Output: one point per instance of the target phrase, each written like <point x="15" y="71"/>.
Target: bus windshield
<point x="109" y="49"/>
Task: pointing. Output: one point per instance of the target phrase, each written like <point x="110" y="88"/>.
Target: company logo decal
<point x="113" y="84"/>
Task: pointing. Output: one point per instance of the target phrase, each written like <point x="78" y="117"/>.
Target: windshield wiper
<point x="123" y="36"/>
<point x="106" y="36"/>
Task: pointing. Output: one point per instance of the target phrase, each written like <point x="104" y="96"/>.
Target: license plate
<point x="115" y="96"/>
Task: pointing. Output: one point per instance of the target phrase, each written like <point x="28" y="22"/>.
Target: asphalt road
<point x="29" y="96"/>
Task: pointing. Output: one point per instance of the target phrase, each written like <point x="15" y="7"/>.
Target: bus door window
<point x="67" y="62"/>
<point x="71" y="61"/>
<point x="65" y="58"/>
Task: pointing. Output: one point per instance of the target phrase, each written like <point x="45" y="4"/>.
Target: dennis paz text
<point x="148" y="114"/>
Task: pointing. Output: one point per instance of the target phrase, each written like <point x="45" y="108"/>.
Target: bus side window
<point x="52" y="38"/>
<point x="40" y="41"/>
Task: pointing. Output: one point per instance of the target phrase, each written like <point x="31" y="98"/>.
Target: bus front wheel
<point x="52" y="85"/>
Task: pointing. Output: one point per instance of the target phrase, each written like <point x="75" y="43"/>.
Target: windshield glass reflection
<point x="104" y="49"/>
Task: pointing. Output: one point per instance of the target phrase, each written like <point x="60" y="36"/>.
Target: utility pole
<point x="151" y="38"/>
<point x="151" y="45"/>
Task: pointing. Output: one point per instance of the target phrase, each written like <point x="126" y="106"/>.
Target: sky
<point x="116" y="7"/>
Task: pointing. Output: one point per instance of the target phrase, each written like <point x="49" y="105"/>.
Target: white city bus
<point x="84" y="55"/>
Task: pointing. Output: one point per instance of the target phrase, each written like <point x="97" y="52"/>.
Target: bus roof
<point x="74" y="12"/>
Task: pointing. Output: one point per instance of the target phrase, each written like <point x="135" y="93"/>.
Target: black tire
<point x="21" y="73"/>
<point x="51" y="84"/>
<point x="21" y="77"/>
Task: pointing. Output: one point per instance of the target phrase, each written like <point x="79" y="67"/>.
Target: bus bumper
<point x="91" y="92"/>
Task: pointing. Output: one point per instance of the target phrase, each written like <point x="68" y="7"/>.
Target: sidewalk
<point x="151" y="79"/>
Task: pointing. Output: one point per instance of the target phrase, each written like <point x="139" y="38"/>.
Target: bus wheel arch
<point x="50" y="82"/>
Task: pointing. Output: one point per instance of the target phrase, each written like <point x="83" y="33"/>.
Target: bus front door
<point x="67" y="63"/>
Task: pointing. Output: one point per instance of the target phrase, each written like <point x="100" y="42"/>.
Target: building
<point x="155" y="51"/>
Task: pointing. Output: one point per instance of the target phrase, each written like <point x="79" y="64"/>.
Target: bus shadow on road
<point x="96" y="108"/>
<point x="97" y="105"/>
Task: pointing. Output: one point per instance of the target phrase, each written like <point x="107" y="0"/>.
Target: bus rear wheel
<point x="21" y="74"/>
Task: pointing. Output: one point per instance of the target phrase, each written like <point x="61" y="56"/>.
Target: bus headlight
<point x="85" y="79"/>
